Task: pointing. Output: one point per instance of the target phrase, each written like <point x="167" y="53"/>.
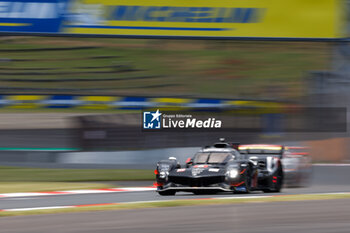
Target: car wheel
<point x="247" y="184"/>
<point x="279" y="182"/>
<point x="167" y="193"/>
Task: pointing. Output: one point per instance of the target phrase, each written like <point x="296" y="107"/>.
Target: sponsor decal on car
<point x="203" y="166"/>
<point x="214" y="169"/>
<point x="181" y="170"/>
<point x="197" y="170"/>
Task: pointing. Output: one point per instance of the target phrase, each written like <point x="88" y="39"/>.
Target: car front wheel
<point x="247" y="185"/>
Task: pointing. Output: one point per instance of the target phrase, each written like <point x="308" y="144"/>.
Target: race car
<point x="295" y="160"/>
<point x="297" y="167"/>
<point x="218" y="168"/>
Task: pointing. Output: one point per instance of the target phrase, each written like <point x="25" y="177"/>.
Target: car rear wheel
<point x="167" y="193"/>
<point x="277" y="180"/>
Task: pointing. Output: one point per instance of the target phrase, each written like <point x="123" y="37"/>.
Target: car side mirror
<point x="189" y="162"/>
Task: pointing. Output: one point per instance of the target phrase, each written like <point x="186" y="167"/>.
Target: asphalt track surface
<point x="326" y="179"/>
<point x="287" y="217"/>
<point x="277" y="217"/>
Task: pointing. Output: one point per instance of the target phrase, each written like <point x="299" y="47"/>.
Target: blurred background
<point x="87" y="93"/>
<point x="74" y="100"/>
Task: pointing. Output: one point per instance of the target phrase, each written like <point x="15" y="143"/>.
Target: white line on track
<point x="158" y="201"/>
<point x="72" y="192"/>
<point x="245" y="197"/>
<point x="331" y="164"/>
<point x="39" y="208"/>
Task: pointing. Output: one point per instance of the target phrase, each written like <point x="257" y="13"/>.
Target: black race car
<point x="220" y="168"/>
<point x="296" y="161"/>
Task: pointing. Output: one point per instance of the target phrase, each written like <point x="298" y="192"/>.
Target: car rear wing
<point x="261" y="149"/>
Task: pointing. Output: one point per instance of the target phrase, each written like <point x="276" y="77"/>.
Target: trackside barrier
<point x="128" y="103"/>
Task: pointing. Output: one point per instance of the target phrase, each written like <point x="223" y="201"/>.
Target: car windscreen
<point x="217" y="157"/>
<point x="213" y="157"/>
<point x="201" y="158"/>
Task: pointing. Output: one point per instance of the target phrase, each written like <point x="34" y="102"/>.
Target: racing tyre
<point x="247" y="184"/>
<point x="167" y="193"/>
<point x="279" y="182"/>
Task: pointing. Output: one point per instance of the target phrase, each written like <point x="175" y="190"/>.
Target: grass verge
<point x="22" y="174"/>
<point x="176" y="203"/>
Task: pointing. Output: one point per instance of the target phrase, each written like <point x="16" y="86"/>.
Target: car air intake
<point x="196" y="182"/>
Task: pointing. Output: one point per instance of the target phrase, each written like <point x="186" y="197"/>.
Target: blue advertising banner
<point x="132" y="103"/>
<point x="39" y="16"/>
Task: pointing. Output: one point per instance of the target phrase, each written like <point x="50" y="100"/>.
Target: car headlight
<point x="233" y="173"/>
<point x="162" y="174"/>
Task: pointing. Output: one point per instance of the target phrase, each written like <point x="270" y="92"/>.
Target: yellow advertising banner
<point x="284" y="19"/>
